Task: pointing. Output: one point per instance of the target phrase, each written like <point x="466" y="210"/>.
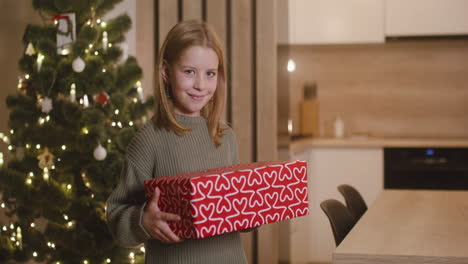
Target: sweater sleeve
<point x="125" y="207"/>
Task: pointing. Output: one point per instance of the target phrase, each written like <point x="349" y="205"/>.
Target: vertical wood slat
<point x="242" y="109"/>
<point x="266" y="111"/>
<point x="145" y="45"/>
<point x="191" y="9"/>
<point x="168" y="17"/>
<point x="216" y="17"/>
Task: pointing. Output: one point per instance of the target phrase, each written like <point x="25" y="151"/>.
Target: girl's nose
<point x="199" y="83"/>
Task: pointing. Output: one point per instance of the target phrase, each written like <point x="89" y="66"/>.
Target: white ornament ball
<point x="100" y="152"/>
<point x="78" y="64"/>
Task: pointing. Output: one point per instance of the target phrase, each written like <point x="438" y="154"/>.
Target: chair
<point x="354" y="201"/>
<point x="340" y="218"/>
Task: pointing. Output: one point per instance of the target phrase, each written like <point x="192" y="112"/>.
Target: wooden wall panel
<point x="216" y="11"/>
<point x="266" y="113"/>
<point x="145" y="51"/>
<point x="191" y="9"/>
<point x="167" y="18"/>
<point x="397" y="89"/>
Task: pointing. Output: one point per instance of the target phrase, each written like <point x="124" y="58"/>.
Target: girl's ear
<point x="165" y="71"/>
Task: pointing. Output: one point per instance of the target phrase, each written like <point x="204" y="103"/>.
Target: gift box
<point x="228" y="199"/>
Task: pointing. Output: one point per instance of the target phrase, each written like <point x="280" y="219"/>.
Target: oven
<point x="426" y="168"/>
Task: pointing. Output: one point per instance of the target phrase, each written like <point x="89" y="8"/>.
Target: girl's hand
<point x="155" y="221"/>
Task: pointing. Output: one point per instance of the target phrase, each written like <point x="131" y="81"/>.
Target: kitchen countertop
<point x="369" y="142"/>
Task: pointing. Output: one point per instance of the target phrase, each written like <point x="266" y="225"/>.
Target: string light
<point x="113" y="124"/>
<point x="116" y="112"/>
<point x="64" y="147"/>
<point x="85" y="130"/>
<point x="26" y="76"/>
<point x="73" y="92"/>
<point x="12" y="226"/>
<point x="65" y="217"/>
<point x="4" y="228"/>
<point x="69" y="186"/>
<point x="90" y="46"/>
<point x="28" y="146"/>
<point x="103" y="24"/>
<point x="110" y="45"/>
<point x="88" y="23"/>
<point x="98" y="21"/>
<point x="108" y="260"/>
<point x="1" y="159"/>
<point x="19" y="238"/>
<point x="35" y="254"/>
<point x="119" y="124"/>
<point x="140" y="91"/>
<point x="130" y="123"/>
<point x="103" y="70"/>
<point x="33" y="225"/>
<point x="131" y="256"/>
<point x="109" y="141"/>
<point x="10" y="147"/>
<point x="45" y="175"/>
<point x="104" y="39"/>
<point x="38" y="146"/>
<point x="96" y="53"/>
<point x="39" y="60"/>
<point x="142" y="249"/>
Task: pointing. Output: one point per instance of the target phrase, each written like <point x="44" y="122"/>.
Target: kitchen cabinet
<point x="426" y="17"/>
<point x="331" y="22"/>
<point x="311" y="238"/>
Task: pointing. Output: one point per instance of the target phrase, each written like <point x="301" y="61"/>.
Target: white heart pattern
<point x="228" y="199"/>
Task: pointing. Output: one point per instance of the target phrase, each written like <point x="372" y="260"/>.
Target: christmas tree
<point x="78" y="104"/>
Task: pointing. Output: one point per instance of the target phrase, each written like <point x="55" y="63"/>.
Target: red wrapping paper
<point x="233" y="198"/>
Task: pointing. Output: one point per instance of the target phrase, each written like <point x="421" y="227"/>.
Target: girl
<point x="185" y="135"/>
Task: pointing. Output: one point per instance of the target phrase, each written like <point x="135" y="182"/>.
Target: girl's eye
<point x="211" y="74"/>
<point x="189" y="71"/>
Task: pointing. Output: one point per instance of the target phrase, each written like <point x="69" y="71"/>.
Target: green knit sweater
<point x="157" y="153"/>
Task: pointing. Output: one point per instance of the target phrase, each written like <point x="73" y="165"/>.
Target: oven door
<point x="426" y="168"/>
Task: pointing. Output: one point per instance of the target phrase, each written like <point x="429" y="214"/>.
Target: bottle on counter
<point x="310" y="111"/>
<point x="338" y="126"/>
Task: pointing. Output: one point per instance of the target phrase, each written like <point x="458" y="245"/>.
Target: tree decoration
<point x="46" y="105"/>
<point x="39" y="60"/>
<point x="78" y="64"/>
<point x="100" y="152"/>
<point x="85" y="101"/>
<point x="73" y="92"/>
<point x="66" y="32"/>
<point x="102" y="98"/>
<point x="30" y="49"/>
<point x="46" y="159"/>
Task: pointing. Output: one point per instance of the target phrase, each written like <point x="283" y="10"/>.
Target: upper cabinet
<point x="426" y="17"/>
<point x="367" y="21"/>
<point x="330" y="21"/>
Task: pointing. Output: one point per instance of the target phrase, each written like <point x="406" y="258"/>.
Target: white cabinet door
<point x="335" y="21"/>
<point x="311" y="236"/>
<point x="426" y="17"/>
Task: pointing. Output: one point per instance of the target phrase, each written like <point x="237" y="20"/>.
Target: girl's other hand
<point x="155" y="221"/>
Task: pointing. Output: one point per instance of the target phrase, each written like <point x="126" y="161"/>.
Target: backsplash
<point x="407" y="88"/>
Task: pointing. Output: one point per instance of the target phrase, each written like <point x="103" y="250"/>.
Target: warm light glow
<point x="28" y="146"/>
<point x="70" y="224"/>
<point x="4" y="228"/>
<point x="12" y="131"/>
<point x="290" y="126"/>
<point x="98" y="21"/>
<point x="38" y="146"/>
<point x="96" y="53"/>
<point x="110" y="45"/>
<point x="90" y="46"/>
<point x="291" y="65"/>
<point x="33" y="225"/>
<point x="85" y="261"/>
<point x="31" y="174"/>
<point x="64" y="147"/>
<point x="2" y="205"/>
<point x="85" y="130"/>
<point x="116" y="111"/>
<point x="142" y="249"/>
<point x="29" y="181"/>
<point x="26" y="76"/>
<point x="46" y="174"/>
<point x="69" y="186"/>
<point x="113" y="124"/>
<point x="103" y="70"/>
<point x="10" y="147"/>
<point x="108" y="260"/>
<point x="103" y="24"/>
<point x="34" y="254"/>
<point x="119" y="124"/>
<point x="65" y="217"/>
<point x="88" y="23"/>
<point x="130" y="123"/>
<point x="65" y="52"/>
<point x="12" y="226"/>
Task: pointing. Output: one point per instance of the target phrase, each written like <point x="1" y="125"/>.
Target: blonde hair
<point x="183" y="35"/>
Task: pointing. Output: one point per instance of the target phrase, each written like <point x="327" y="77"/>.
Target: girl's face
<point x="193" y="78"/>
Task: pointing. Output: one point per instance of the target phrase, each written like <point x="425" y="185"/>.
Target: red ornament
<point x="102" y="98"/>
